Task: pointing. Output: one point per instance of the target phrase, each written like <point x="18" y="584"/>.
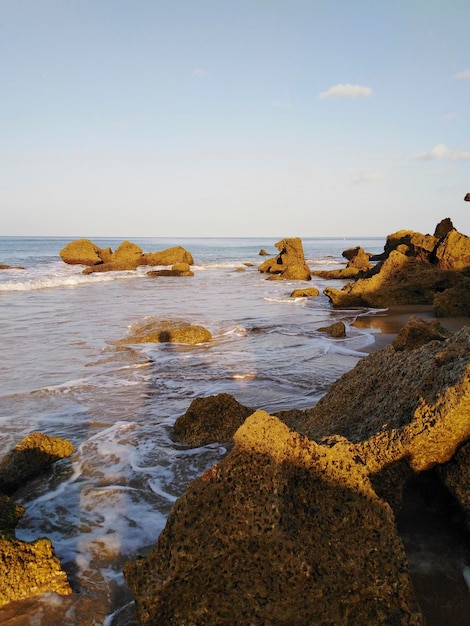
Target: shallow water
<point x="62" y="374"/>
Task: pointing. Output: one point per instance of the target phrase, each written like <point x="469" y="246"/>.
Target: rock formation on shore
<point x="128" y="256"/>
<point x="299" y="527"/>
<point x="289" y="264"/>
<point x="415" y="269"/>
<point x="27" y="569"/>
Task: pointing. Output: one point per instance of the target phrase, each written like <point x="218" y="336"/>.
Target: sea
<point x="63" y="374"/>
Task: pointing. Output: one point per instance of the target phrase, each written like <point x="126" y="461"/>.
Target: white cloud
<point x="281" y="105"/>
<point x="464" y="74"/>
<point x="440" y="151"/>
<point x="367" y="176"/>
<point x="345" y="91"/>
<point x="199" y="72"/>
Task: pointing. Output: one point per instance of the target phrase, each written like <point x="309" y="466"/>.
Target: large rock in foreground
<point x="292" y="533"/>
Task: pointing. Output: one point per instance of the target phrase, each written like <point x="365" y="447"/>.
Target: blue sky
<point x="233" y="118"/>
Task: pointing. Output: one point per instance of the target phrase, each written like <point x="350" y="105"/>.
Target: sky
<point x="224" y="118"/>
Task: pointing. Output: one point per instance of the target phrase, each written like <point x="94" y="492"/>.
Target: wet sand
<point x="389" y="322"/>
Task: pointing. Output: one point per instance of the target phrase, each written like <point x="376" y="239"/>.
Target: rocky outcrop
<point x="289" y="264"/>
<point x="11" y="267"/>
<point x="166" y="331"/>
<point x="297" y="527"/>
<point x="27" y="569"/>
<point x="128" y="256"/>
<point x="399" y="279"/>
<point x="294" y="534"/>
<point x="211" y="419"/>
<point x="357" y="258"/>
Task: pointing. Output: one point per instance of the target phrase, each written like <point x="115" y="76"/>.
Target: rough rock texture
<point x="289" y="264"/>
<point x="293" y="534"/>
<point x="453" y="302"/>
<point x="30" y="457"/>
<point x="305" y="293"/>
<point x="338" y="329"/>
<point x="165" y="331"/>
<point x="399" y="279"/>
<point x="215" y="418"/>
<point x="170" y="256"/>
<point x="83" y="252"/>
<point x="453" y="252"/>
<point x="27" y="569"/>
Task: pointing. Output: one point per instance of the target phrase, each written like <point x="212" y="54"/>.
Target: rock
<point x="10" y="514"/>
<point x="357" y="258"/>
<point x="84" y="252"/>
<point x="289" y="264"/>
<point x="410" y="243"/>
<point x="444" y="227"/>
<point x="338" y="329"/>
<point x="453" y="302"/>
<point x="29" y="458"/>
<point x="408" y="407"/>
<point x="170" y="256"/>
<point x="11" y="267"/>
<point x="467" y="197"/>
<point x="164" y="331"/>
<point x="211" y="419"/>
<point x="263" y="252"/>
<point x="127" y="254"/>
<point x="453" y="252"/>
<point x="282" y="531"/>
<point x="399" y="279"/>
<point x="417" y="332"/>
<point x="29" y="569"/>
<point x="311" y="292"/>
<point x="344" y="273"/>
<point x="179" y="269"/>
<point x="456" y="476"/>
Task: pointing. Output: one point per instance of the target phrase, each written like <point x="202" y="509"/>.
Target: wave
<point x="51" y="282"/>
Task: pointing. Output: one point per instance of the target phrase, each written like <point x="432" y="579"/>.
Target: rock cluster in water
<point x="289" y="264"/>
<point x="27" y="569"/>
<point x="413" y="269"/>
<point x="128" y="256"/>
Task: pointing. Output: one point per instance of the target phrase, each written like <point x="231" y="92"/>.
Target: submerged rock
<point x="310" y="292"/>
<point x="166" y="331"/>
<point x="338" y="329"/>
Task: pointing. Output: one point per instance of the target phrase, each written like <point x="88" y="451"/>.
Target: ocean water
<point x="62" y="374"/>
